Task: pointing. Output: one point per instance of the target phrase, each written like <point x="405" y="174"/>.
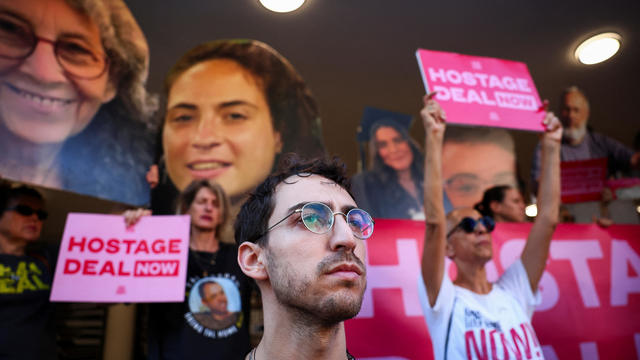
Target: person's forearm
<point x="433" y="252"/>
<point x="549" y="190"/>
<point x="433" y="201"/>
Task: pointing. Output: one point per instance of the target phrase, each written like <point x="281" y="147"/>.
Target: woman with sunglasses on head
<point x="26" y="271"/>
<point x="73" y="107"/>
<point x="468" y="313"/>
<point x="503" y="203"/>
<point x="213" y="320"/>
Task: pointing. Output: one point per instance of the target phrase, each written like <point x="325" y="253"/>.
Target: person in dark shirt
<point x="26" y="323"/>
<point x="580" y="143"/>
<point x="212" y="322"/>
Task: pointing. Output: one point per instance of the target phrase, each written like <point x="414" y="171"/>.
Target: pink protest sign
<point x="101" y="260"/>
<point x="582" y="180"/>
<point x="482" y="91"/>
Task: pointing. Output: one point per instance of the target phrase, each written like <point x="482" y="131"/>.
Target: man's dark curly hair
<point x="253" y="219"/>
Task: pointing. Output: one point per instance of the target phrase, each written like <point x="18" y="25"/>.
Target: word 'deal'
<point x="119" y="268"/>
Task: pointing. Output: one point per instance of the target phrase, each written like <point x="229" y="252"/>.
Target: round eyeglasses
<point x="74" y="53"/>
<point x="319" y="219"/>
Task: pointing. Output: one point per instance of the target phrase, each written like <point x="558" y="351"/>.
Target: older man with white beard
<point x="580" y="143"/>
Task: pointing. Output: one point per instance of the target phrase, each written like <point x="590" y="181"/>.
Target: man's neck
<point x="11" y="246"/>
<point x="287" y="335"/>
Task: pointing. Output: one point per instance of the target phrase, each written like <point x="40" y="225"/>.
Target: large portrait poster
<point x="218" y="123"/>
<point x="590" y="293"/>
<point x="75" y="114"/>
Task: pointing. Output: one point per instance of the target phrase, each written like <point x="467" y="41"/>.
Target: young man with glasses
<point x="472" y="318"/>
<point x="26" y="327"/>
<point x="301" y="238"/>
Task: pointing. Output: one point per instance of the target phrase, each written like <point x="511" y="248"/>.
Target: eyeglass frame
<point x="54" y="43"/>
<point x="333" y="214"/>
<point x="483" y="220"/>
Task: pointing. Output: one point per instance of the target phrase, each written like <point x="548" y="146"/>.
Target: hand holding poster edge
<point x="499" y="93"/>
<point x="102" y="260"/>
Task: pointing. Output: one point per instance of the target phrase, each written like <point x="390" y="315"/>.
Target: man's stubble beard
<point x="315" y="306"/>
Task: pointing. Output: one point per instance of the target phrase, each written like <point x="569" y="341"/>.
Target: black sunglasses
<point x="27" y="210"/>
<point x="468" y="224"/>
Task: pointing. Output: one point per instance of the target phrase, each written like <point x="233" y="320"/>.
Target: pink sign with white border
<point x="482" y="91"/>
<point x="101" y="260"/>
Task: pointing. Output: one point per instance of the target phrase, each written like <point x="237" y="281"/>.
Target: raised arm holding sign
<point x="470" y="316"/>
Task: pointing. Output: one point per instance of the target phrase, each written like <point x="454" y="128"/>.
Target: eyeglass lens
<point x="76" y="56"/>
<point x="319" y="219"/>
<point x="26" y="210"/>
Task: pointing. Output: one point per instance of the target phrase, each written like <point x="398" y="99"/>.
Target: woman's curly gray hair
<point x="128" y="54"/>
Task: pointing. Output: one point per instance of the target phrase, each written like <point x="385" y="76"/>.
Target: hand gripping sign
<point x="101" y="260"/>
<point x="482" y="91"/>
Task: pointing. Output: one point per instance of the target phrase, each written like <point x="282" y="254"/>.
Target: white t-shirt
<point x="497" y="325"/>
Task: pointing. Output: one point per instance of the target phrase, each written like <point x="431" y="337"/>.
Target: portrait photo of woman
<point x="73" y="106"/>
<point x="392" y="187"/>
<point x="231" y="108"/>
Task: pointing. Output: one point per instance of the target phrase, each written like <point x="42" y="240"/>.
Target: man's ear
<point x="250" y="259"/>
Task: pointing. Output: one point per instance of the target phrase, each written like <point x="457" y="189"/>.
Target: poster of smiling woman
<point x="230" y="109"/>
<point x="74" y="111"/>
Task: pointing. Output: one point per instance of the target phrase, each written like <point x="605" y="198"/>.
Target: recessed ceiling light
<point x="598" y="48"/>
<point x="531" y="210"/>
<point x="282" y="6"/>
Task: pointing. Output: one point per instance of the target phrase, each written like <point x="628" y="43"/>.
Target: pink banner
<point x="102" y="261"/>
<point x="583" y="180"/>
<point x="484" y="91"/>
<point x="590" y="292"/>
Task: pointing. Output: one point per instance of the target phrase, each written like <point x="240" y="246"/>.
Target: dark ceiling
<point x="357" y="53"/>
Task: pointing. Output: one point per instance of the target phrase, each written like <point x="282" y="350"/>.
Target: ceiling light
<point x="531" y="210"/>
<point x="282" y="6"/>
<point x="598" y="48"/>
